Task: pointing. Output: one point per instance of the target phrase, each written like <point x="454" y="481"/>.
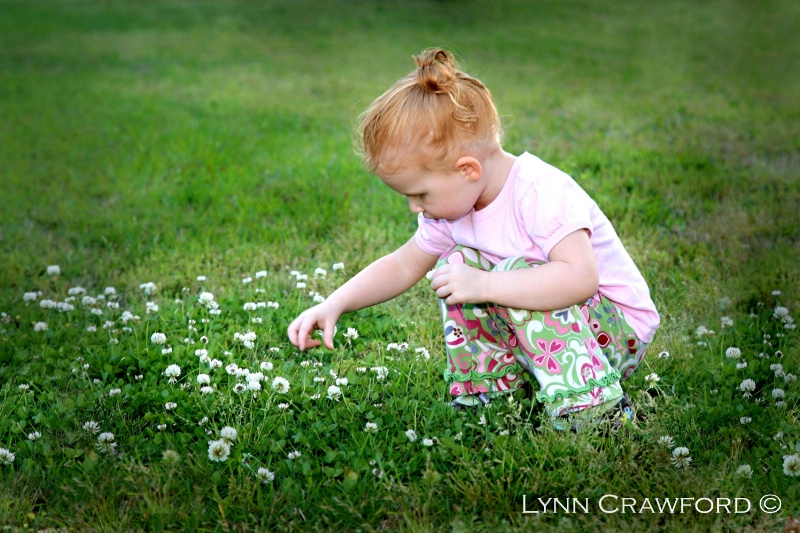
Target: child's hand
<point x="320" y="317"/>
<point x="460" y="284"/>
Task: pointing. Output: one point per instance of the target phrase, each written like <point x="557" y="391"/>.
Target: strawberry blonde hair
<point x="430" y="113"/>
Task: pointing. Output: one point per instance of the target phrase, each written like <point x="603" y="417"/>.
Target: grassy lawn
<point x="178" y="151"/>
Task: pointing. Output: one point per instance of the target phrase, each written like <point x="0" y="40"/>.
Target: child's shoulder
<point x="532" y="172"/>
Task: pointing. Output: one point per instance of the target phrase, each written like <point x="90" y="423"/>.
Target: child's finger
<point x="327" y="335"/>
<point x="305" y="329"/>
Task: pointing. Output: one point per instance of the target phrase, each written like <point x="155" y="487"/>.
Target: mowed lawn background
<point x="161" y="141"/>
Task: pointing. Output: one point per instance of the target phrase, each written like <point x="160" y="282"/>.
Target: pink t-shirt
<point x="538" y="206"/>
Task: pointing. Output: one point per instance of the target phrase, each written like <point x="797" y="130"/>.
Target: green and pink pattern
<point x="577" y="355"/>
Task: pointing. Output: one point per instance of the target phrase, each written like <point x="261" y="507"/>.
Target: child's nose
<point x="415" y="207"/>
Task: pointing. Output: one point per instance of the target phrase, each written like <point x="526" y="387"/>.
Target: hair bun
<point x="437" y="70"/>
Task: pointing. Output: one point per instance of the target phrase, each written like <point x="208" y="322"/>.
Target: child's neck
<point x="496" y="167"/>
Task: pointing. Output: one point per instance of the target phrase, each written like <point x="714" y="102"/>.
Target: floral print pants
<point x="577" y="355"/>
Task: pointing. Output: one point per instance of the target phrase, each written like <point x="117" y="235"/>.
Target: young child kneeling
<point x="531" y="276"/>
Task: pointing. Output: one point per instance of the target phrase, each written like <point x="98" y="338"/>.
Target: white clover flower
<point x="24" y="387"/>
<point x="667" y="441"/>
<point x="733" y="353"/>
<point x="40" y="326"/>
<point x="680" y="457"/>
<point x="203" y="379"/>
<point x="726" y="322"/>
<point x="741" y="365"/>
<point x="219" y="450"/>
<point x="149" y="288"/>
<point x="53" y="270"/>
<point x="151" y="307"/>
<point x="250" y="306"/>
<point x="206" y="390"/>
<point x="47" y="304"/>
<point x="320" y="272"/>
<point x="371" y="427"/>
<point x="778" y="393"/>
<point x="170" y="456"/>
<point x="280" y="385"/>
<point x="338" y="266"/>
<point x="351" y="334"/>
<point x="342" y="382"/>
<point x="31" y="296"/>
<point x="172" y="372"/>
<point x="780" y="312"/>
<point x="273" y="305"/>
<point x="361" y="369"/>
<point x="228" y="433"/>
<point x="6" y="457"/>
<point x="411" y="434"/>
<point x="91" y="426"/>
<point x="744" y="471"/>
<point x="166" y="351"/>
<point x="205" y="298"/>
<point x="789" y="378"/>
<point x="319" y="379"/>
<point x="301" y="285"/>
<point x="161" y="427"/>
<point x="791" y="464"/>
<point x="294" y="455"/>
<point x="427" y="442"/>
<point x="422" y="353"/>
<point x="283" y="406"/>
<point x="266" y="366"/>
<point x="703" y="331"/>
<point x="652" y="379"/>
<point x="745" y="420"/>
<point x="261" y="274"/>
<point x="34" y="436"/>
<point x="215" y="363"/>
<point x="334" y="392"/>
<point x="265" y="475"/>
<point x="747" y="387"/>
<point x="381" y="372"/>
<point x="254" y="386"/>
<point x="105" y="442"/>
<point x="88" y="301"/>
<point x="158" y="338"/>
<point x="114" y="392"/>
<point x="201" y="278"/>
<point x="169" y="406"/>
<point x="247" y="280"/>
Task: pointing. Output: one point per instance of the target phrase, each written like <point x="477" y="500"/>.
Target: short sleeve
<point x="433" y="236"/>
<point x="553" y="207"/>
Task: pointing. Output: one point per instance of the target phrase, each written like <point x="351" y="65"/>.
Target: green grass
<point x="161" y="141"/>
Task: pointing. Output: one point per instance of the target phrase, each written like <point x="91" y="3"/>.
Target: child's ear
<point x="470" y="168"/>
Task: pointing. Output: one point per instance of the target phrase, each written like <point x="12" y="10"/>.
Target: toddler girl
<point x="531" y="276"/>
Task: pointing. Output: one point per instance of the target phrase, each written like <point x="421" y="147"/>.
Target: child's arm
<point x="389" y="276"/>
<point x="569" y="278"/>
